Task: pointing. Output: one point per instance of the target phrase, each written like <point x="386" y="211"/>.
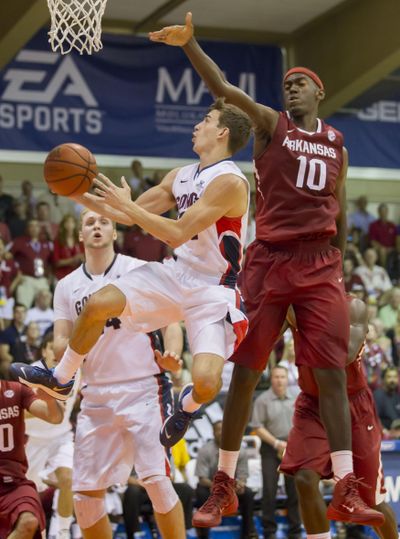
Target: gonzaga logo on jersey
<point x="47" y="92"/>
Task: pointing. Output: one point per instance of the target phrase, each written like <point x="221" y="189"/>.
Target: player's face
<point x="207" y="133"/>
<point x="301" y="95"/>
<point x="97" y="231"/>
<point x="49" y="355"/>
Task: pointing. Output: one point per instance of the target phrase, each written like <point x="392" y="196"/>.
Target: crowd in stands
<point x="39" y="244"/>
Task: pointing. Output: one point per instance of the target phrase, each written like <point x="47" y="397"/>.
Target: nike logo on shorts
<point x="370" y="427"/>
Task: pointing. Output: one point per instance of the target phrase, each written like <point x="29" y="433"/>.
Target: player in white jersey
<point x="50" y="448"/>
<point x="125" y="394"/>
<point x="199" y="287"/>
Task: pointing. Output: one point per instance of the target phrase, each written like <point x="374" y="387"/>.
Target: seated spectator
<point x="382" y="234"/>
<point x="372" y="306"/>
<point x="10" y="277"/>
<point x="42" y="313"/>
<point x="6" y="202"/>
<point x="350" y="278"/>
<point x="206" y="467"/>
<point x="13" y="334"/>
<point x="353" y="250"/>
<point x="137" y="181"/>
<point x="27" y="349"/>
<point x="375" y="278"/>
<point x="393" y="261"/>
<point x="59" y="205"/>
<point x="68" y="254"/>
<point x="48" y="230"/>
<point x="141" y="245"/>
<point x="288" y="361"/>
<point x="387" y="398"/>
<point x="28" y="198"/>
<point x="34" y="258"/>
<point x="5" y="234"/>
<point x="375" y="361"/>
<point x="384" y="342"/>
<point x="17" y="222"/>
<point x="361" y="218"/>
<point x="390" y="313"/>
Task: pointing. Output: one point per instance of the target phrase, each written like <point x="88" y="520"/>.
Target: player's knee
<point x="206" y="387"/>
<point x="306" y="483"/>
<point x="27" y="525"/>
<point x="88" y="510"/>
<point x="161" y="493"/>
<point x="108" y="302"/>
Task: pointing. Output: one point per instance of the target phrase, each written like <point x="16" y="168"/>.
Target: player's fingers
<point x="171" y="354"/>
<point x="104" y="179"/>
<point x="124" y="183"/>
<point x="188" y="18"/>
<point x="100" y="192"/>
<point x="158" y="355"/>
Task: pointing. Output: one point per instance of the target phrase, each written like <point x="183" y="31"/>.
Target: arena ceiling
<point x="352" y="44"/>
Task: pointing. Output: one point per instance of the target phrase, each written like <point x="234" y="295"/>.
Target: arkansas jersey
<point x="217" y="250"/>
<point x="14" y="399"/>
<point x="120" y="354"/>
<point x="296" y="180"/>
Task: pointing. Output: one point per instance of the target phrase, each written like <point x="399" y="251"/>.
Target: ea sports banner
<point x="133" y="98"/>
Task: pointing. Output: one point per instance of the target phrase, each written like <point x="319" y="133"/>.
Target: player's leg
<point x="25" y="527"/>
<point x="312" y="504"/>
<point x="91" y="514"/>
<point x="65" y="502"/>
<point x="388" y="530"/>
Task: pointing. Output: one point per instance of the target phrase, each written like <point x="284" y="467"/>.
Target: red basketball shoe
<point x="347" y="505"/>
<point x="221" y="502"/>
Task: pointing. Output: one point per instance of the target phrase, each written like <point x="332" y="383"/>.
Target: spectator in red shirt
<point x="68" y="253"/>
<point x="350" y="278"/>
<point x="375" y="360"/>
<point x="34" y="259"/>
<point x="382" y="234"/>
<point x="10" y="277"/>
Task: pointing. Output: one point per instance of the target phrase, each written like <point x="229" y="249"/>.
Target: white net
<point x="76" y="24"/>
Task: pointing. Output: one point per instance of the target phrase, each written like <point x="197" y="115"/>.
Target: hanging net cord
<point x="76" y="24"/>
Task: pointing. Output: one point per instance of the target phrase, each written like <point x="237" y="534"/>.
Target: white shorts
<point x="45" y="456"/>
<point x="160" y="294"/>
<point x="118" y="428"/>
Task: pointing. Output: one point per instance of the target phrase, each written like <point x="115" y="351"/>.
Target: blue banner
<point x="391" y="468"/>
<point x="133" y="98"/>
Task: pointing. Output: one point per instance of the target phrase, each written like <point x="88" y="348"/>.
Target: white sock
<point x="189" y="404"/>
<point x="69" y="364"/>
<point x="325" y="535"/>
<point x="64" y="523"/>
<point x="227" y="462"/>
<point x="342" y="463"/>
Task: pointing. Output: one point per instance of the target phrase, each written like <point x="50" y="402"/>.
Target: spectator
<point x="27" y="197"/>
<point x="288" y="361"/>
<point x="387" y="398"/>
<point x="136" y="180"/>
<point x="5" y="234"/>
<point x="394" y="433"/>
<point x="59" y="205"/>
<point x="375" y="278"/>
<point x="33" y="257"/>
<point x="383" y="340"/>
<point x="13" y="334"/>
<point x="350" y="278"/>
<point x="272" y="420"/>
<point x="18" y="221"/>
<point x="393" y="262"/>
<point x="6" y="202"/>
<point x="26" y="349"/>
<point x="361" y="218"/>
<point x="382" y="234"/>
<point x="42" y="313"/>
<point x="144" y="246"/>
<point x="375" y="360"/>
<point x="353" y="247"/>
<point x="10" y="277"/>
<point x="390" y="313"/>
<point x="67" y="254"/>
<point x="48" y="230"/>
<point x="206" y="467"/>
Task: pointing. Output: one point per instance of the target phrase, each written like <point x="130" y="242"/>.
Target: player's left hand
<point x="168" y="361"/>
<point x="108" y="192"/>
<point x="177" y="35"/>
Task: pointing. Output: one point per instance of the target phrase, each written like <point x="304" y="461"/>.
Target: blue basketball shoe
<point x="43" y="378"/>
<point x="177" y="424"/>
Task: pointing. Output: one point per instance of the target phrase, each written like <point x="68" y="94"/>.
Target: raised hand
<point x="177" y="35"/>
<point x="114" y="196"/>
<point x="168" y="361"/>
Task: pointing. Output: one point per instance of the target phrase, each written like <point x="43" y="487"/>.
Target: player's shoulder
<point x="12" y="392"/>
<point x="127" y="263"/>
<point x="332" y="133"/>
<point x="69" y="280"/>
<point x="187" y="170"/>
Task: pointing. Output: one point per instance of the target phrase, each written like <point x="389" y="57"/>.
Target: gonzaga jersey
<point x="296" y="180"/>
<point x="120" y="354"/>
<point x="14" y="399"/>
<point x="218" y="250"/>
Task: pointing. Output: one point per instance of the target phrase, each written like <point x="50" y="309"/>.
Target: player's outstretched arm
<point x="263" y="117"/>
<point x="47" y="408"/>
<point x="159" y="198"/>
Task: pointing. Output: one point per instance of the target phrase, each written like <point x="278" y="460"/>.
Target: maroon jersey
<point x="296" y="180"/>
<point x="14" y="399"/>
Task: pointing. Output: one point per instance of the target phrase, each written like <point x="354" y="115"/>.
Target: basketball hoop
<point x="76" y="24"/>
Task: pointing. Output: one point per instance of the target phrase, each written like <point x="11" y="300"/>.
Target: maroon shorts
<point x="308" y="447"/>
<point x="17" y="498"/>
<point x="307" y="275"/>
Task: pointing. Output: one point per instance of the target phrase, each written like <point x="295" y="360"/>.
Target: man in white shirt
<point x="42" y="313"/>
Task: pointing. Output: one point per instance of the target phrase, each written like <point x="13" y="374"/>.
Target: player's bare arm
<point x="62" y="334"/>
<point x="358" y="328"/>
<point x="340" y="239"/>
<point x="264" y="118"/>
<point x="159" y="198"/>
<point x="47" y="408"/>
<point x="226" y="196"/>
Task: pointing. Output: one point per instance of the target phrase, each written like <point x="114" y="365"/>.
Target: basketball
<point x="69" y="169"/>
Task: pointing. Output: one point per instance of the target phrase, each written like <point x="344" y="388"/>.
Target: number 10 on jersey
<point x="314" y="170"/>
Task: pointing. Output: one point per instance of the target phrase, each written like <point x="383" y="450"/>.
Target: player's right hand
<point x="169" y="361"/>
<point x="177" y="35"/>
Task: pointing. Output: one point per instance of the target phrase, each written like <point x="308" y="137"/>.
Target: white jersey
<point x="120" y="354"/>
<point x="38" y="428"/>
<point x="217" y="250"/>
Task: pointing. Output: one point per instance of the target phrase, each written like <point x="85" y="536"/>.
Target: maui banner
<point x="133" y="98"/>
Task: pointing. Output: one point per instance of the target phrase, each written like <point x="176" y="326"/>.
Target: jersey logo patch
<point x="331" y="135"/>
<point x="9" y="393"/>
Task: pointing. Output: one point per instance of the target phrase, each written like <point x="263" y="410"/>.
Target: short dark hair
<point x="47" y="337"/>
<point x="237" y="121"/>
<point x="16" y="305"/>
